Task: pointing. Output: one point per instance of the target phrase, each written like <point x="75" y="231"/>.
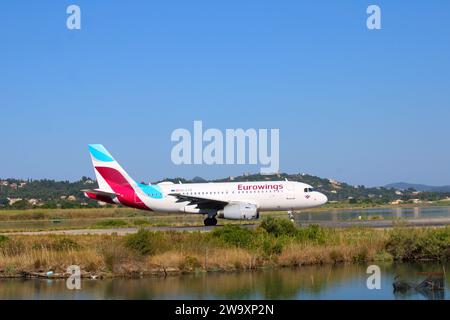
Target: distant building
<point x="33" y="202"/>
<point x="398" y="201"/>
<point x="13" y="186"/>
<point x="11" y="201"/>
<point x="334" y="182"/>
<point x="71" y="198"/>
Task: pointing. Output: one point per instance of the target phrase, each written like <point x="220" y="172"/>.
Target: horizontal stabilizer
<point x="101" y="193"/>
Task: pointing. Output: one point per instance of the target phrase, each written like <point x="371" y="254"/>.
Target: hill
<point x="418" y="187"/>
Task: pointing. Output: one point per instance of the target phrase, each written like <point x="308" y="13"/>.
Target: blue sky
<point x="365" y="107"/>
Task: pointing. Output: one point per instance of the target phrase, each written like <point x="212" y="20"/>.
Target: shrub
<point x="278" y="227"/>
<point x="271" y="247"/>
<point x="361" y="255"/>
<point x="383" y="256"/>
<point x="65" y="244"/>
<point x="312" y="233"/>
<point x="140" y="242"/>
<point x="336" y="256"/>
<point x="3" y="238"/>
<point x="189" y="263"/>
<point x="234" y="235"/>
<point x="413" y="244"/>
<point x="113" y="256"/>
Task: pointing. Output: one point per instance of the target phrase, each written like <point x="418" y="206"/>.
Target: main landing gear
<point x="210" y="221"/>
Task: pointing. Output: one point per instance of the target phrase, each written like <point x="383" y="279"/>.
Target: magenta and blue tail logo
<point x="100" y="153"/>
<point x="118" y="179"/>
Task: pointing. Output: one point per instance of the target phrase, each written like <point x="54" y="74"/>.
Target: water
<point x="374" y="213"/>
<point x="312" y="282"/>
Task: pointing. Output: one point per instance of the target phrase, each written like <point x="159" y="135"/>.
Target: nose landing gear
<point x="291" y="215"/>
<point x="210" y="221"/>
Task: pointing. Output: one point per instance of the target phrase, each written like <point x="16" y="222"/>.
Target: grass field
<point x="98" y="218"/>
<point x="64" y="219"/>
<point x="275" y="243"/>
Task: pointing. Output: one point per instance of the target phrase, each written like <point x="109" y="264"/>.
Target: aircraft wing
<point x="202" y="203"/>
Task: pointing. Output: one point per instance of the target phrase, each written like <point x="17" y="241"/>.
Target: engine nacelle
<point x="239" y="210"/>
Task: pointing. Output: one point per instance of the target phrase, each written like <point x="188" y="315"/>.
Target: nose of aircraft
<point x="322" y="198"/>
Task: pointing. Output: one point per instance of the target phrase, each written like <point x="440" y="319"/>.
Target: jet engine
<point x="238" y="211"/>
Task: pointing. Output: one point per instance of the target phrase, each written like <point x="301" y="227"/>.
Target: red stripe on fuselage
<point x="126" y="194"/>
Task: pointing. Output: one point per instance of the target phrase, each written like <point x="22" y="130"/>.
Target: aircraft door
<point x="290" y="189"/>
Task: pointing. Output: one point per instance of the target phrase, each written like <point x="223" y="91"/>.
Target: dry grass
<point x="109" y="255"/>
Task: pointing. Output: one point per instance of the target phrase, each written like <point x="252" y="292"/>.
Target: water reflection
<point x="318" y="282"/>
<point x="373" y="213"/>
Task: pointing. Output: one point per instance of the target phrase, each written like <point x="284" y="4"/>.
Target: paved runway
<point x="432" y="222"/>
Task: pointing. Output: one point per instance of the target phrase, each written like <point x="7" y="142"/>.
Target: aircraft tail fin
<point x="111" y="177"/>
<point x="113" y="181"/>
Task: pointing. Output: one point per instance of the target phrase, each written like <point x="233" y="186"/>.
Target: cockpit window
<point x="308" y="190"/>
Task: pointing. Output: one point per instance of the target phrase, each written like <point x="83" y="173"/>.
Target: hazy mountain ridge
<point x="418" y="187"/>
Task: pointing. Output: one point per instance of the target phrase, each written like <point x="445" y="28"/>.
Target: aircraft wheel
<point x="210" y="221"/>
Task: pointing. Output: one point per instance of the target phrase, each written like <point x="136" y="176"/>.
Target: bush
<point x="113" y="256"/>
<point x="140" y="242"/>
<point x="65" y="244"/>
<point x="361" y="255"/>
<point x="414" y="244"/>
<point x="189" y="263"/>
<point x="3" y="238"/>
<point x="271" y="247"/>
<point x="312" y="233"/>
<point x="336" y="256"/>
<point x="278" y="227"/>
<point x="234" y="235"/>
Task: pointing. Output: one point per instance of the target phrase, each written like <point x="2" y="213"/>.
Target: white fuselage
<point x="267" y="196"/>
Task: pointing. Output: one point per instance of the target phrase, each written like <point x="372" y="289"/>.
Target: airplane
<point x="226" y="200"/>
